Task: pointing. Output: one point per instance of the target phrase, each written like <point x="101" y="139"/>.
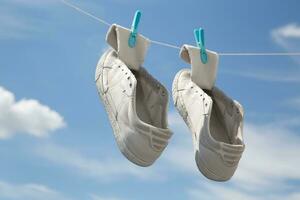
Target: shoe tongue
<point x="204" y="75"/>
<point x="117" y="37"/>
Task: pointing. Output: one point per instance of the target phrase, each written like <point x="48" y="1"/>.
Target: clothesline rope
<point x="86" y="13"/>
<point x="177" y="47"/>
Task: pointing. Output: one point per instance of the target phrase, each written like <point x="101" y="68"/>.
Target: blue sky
<point x="55" y="137"/>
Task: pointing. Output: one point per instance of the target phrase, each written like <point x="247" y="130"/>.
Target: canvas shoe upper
<point x="137" y="107"/>
<point x="216" y="123"/>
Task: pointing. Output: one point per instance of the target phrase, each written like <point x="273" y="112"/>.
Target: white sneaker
<point x="216" y="123"/>
<point x="137" y="107"/>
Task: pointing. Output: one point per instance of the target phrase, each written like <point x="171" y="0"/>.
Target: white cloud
<point x="96" y="197"/>
<point x="10" y="191"/>
<point x="284" y="76"/>
<point x="270" y="161"/>
<point x="216" y="191"/>
<point x="221" y="191"/>
<point x="286" y="37"/>
<point x="286" y="32"/>
<point x="270" y="158"/>
<point x="102" y="169"/>
<point x="26" y="116"/>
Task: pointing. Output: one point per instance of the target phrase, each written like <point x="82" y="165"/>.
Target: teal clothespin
<point x="199" y="36"/>
<point x="134" y="26"/>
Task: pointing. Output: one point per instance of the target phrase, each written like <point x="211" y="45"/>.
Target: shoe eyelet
<point x="128" y="77"/>
<point x="130" y="85"/>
